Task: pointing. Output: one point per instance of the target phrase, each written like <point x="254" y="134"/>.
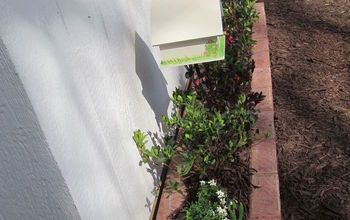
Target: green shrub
<point x="208" y="138"/>
<point x="212" y="204"/>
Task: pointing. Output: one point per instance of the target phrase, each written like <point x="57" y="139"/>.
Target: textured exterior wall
<point x="31" y="185"/>
<point x="90" y="76"/>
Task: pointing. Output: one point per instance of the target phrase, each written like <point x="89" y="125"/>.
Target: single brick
<point x="262" y="59"/>
<point x="261" y="46"/>
<point x="265" y="200"/>
<point x="264" y="156"/>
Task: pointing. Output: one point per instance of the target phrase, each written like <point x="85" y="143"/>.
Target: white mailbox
<point x="188" y="31"/>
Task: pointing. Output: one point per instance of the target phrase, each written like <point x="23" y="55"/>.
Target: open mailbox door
<point x="188" y="31"/>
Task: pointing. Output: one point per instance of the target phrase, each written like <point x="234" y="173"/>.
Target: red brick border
<point x="265" y="200"/>
<point x="171" y="202"/>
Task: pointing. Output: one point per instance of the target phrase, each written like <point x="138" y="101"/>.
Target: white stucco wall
<point x="92" y="80"/>
<point x="31" y="184"/>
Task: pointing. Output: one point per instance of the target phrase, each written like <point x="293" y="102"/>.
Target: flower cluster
<point x="210" y="193"/>
<point x="230" y="39"/>
<point x="212" y="183"/>
<point x="222" y="208"/>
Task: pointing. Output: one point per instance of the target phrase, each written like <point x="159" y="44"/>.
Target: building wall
<point x="90" y="78"/>
<point x="31" y="184"/>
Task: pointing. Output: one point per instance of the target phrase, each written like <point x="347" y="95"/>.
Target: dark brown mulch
<point x="310" y="55"/>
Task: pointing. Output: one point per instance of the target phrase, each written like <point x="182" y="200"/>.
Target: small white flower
<point x="223" y="203"/>
<point x="212" y="183"/>
<point x="202" y="182"/>
<point x="220" y="194"/>
<point x="221" y="211"/>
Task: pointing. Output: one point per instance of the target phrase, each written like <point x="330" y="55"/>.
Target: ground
<point x="310" y="56"/>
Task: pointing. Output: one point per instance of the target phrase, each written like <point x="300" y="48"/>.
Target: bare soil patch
<point x="310" y="56"/>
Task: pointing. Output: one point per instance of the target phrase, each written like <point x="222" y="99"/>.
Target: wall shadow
<point x="154" y="89"/>
<point x="32" y="186"/>
<point x="154" y="85"/>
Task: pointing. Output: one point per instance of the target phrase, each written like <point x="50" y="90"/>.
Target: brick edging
<point x="170" y="202"/>
<point x="264" y="200"/>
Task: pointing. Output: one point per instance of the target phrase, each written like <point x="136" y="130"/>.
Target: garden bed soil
<point x="310" y="55"/>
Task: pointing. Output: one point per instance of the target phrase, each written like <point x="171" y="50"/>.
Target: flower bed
<point x="211" y="140"/>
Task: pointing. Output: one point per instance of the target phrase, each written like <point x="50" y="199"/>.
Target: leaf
<point x="188" y="165"/>
<point x="172" y="185"/>
<point x="241" y="143"/>
<point x="179" y="169"/>
<point x="240" y="211"/>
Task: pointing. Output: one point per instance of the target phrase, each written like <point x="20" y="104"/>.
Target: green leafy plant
<point x="212" y="204"/>
<point x="159" y="155"/>
<point x="208" y="138"/>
